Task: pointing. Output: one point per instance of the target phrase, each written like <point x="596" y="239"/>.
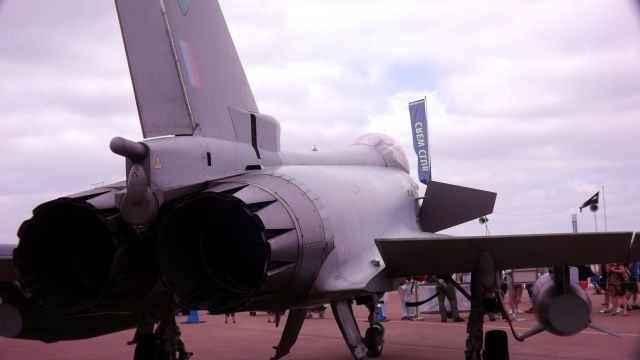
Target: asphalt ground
<point x="252" y="338"/>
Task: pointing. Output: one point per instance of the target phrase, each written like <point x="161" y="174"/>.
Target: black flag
<point x="592" y="200"/>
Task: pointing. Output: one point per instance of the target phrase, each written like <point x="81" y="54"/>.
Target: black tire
<point x="496" y="345"/>
<point x="374" y="340"/>
<point x="147" y="348"/>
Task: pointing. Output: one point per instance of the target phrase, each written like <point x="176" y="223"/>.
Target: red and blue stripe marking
<point x="190" y="63"/>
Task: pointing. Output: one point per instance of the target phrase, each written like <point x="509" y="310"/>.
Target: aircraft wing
<point x="185" y="70"/>
<point x="7" y="270"/>
<point x="436" y="254"/>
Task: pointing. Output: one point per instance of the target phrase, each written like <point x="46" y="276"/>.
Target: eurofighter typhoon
<point x="213" y="215"/>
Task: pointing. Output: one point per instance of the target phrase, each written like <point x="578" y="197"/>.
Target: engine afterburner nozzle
<point x="66" y="254"/>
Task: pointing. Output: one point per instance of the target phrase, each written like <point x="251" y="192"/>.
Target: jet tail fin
<point x="447" y="205"/>
<point x="184" y="66"/>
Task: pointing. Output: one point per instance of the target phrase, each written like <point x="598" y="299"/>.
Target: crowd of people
<point x="617" y="281"/>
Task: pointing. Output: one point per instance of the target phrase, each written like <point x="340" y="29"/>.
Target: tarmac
<point x="253" y="338"/>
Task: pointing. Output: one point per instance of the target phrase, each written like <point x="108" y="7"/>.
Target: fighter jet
<point x="213" y="215"/>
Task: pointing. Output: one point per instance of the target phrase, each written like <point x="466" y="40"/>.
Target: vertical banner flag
<point x="418" y="114"/>
<point x="574" y="222"/>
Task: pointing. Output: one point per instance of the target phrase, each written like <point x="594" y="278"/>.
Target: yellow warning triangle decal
<point x="158" y="164"/>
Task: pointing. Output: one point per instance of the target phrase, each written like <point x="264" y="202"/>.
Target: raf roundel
<point x="184" y="6"/>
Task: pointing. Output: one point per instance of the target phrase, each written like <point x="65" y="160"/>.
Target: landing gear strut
<point x="373" y="342"/>
<point x="163" y="344"/>
<point x="485" y="299"/>
<point x="374" y="336"/>
<point x="496" y="346"/>
<point x="291" y="331"/>
<point x="475" y="323"/>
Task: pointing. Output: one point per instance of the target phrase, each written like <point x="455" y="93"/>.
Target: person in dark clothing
<point x="584" y="272"/>
<point x="446" y="290"/>
<point x="607" y="301"/>
<point x="615" y="281"/>
<point x="227" y="315"/>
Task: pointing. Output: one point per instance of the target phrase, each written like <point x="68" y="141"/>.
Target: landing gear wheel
<point x="496" y="345"/>
<point x="374" y="340"/>
<point x="149" y="348"/>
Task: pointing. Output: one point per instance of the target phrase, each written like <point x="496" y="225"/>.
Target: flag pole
<point x="604" y="204"/>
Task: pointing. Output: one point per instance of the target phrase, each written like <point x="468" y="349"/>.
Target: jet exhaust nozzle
<point x="249" y="243"/>
<point x="66" y="254"/>
<point x="212" y="252"/>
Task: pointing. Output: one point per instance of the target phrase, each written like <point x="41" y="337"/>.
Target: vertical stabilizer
<point x="184" y="66"/>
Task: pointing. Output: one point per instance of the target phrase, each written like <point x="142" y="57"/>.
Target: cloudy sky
<point x="536" y="100"/>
